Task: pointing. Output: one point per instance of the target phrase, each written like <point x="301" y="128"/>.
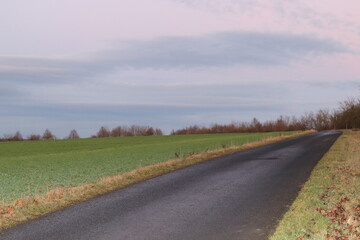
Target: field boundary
<point x="28" y="208"/>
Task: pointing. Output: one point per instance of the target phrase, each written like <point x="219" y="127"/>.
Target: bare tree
<point x="256" y="126"/>
<point x="47" y="135"/>
<point x="13" y="137"/>
<point x="103" y="132"/>
<point x="150" y="132"/>
<point x="18" y="137"/>
<point x="158" y="132"/>
<point x="34" y="137"/>
<point x="349" y="116"/>
<point x="8" y="137"/>
<point x="73" y="135"/>
<point x="117" y="132"/>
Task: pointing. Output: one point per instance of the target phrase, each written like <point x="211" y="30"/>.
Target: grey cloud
<point x="213" y="50"/>
<point x="6" y="91"/>
<point x="124" y="112"/>
<point x="221" y="49"/>
<point x="40" y="70"/>
<point x="9" y="93"/>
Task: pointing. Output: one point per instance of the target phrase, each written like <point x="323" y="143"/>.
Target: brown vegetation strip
<point x="31" y="207"/>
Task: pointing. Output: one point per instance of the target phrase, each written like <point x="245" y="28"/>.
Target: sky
<point x="84" y="64"/>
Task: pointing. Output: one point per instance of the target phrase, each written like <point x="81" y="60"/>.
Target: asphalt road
<point x="238" y="196"/>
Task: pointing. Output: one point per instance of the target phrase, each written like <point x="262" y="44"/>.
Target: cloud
<point x="106" y="111"/>
<point x="10" y="93"/>
<point x="220" y="49"/>
<point x="184" y="52"/>
<point x="158" y="103"/>
<point x="222" y="5"/>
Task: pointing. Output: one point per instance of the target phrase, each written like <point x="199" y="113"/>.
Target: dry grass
<point x="328" y="206"/>
<point x="28" y="208"/>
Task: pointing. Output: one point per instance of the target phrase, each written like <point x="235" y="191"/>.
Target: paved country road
<point x="238" y="196"/>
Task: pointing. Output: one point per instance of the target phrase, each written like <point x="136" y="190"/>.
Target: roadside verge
<point x="328" y="206"/>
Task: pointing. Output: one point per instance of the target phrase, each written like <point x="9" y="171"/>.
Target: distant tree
<point x="34" y="137"/>
<point x="256" y="126"/>
<point x="103" y="132"/>
<point x="323" y="120"/>
<point x="13" y="137"/>
<point x="158" y="132"/>
<point x="349" y="113"/>
<point x="18" y="137"/>
<point x="8" y="137"/>
<point x="281" y="124"/>
<point x="150" y="132"/>
<point x="47" y="135"/>
<point x="129" y="131"/>
<point x="117" y="132"/>
<point x="73" y="135"/>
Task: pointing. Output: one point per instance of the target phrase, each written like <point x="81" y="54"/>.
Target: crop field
<point x="34" y="167"/>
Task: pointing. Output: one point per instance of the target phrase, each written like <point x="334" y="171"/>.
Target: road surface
<point x="238" y="196"/>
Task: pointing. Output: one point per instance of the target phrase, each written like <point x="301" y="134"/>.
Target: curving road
<point x="238" y="196"/>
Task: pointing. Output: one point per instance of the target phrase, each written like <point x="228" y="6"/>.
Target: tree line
<point x="120" y="131"/>
<point x="125" y="131"/>
<point x="346" y="116"/>
<point x="47" y="135"/>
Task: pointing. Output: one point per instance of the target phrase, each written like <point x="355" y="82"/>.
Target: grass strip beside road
<point x="30" y="207"/>
<point x="328" y="206"/>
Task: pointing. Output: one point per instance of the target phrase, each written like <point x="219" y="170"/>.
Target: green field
<point x="34" y="167"/>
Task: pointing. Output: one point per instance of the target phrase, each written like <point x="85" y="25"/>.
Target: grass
<point x="43" y="176"/>
<point x="328" y="206"/>
<point x="32" y="168"/>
